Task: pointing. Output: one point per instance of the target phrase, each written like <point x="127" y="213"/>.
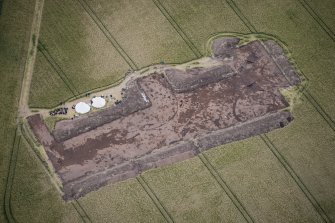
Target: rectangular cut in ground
<point x="184" y="112"/>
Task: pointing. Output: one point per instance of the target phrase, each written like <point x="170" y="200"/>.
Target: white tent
<point x="98" y="102"/>
<point x="82" y="108"/>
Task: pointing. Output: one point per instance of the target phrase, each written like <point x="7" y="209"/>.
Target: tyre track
<point x="30" y="58"/>
<point x="27" y="70"/>
<point x="225" y="187"/>
<point x="179" y="30"/>
<point x="56" y="67"/>
<point x="295" y="177"/>
<point x="81" y="211"/>
<point x="154" y="199"/>
<point x="108" y="34"/>
<point x="317" y="19"/>
<point x="267" y="141"/>
<point x="307" y="94"/>
<point x="10" y="178"/>
<point x="78" y="208"/>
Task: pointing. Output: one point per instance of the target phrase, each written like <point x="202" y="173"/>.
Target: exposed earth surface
<point x="171" y="116"/>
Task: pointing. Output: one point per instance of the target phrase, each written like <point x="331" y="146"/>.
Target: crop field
<point x="324" y="9"/>
<point x="261" y="183"/>
<point x="214" y="16"/>
<point x="190" y="193"/>
<point x="77" y="50"/>
<point x="312" y="48"/>
<point x="47" y="83"/>
<point x="13" y="40"/>
<point x="122" y="202"/>
<point x="287" y="175"/>
<point x="142" y="31"/>
<point x="310" y="153"/>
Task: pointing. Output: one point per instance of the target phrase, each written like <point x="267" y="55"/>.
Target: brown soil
<point x="172" y="116"/>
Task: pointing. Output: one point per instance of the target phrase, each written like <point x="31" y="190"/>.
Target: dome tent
<point x="98" y="102"/>
<point x="82" y="108"/>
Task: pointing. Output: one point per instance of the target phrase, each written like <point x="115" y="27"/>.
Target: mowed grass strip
<point x="325" y="9"/>
<point x="79" y="47"/>
<point x="201" y="19"/>
<point x="33" y="197"/>
<point x="121" y="202"/>
<point x="308" y="146"/>
<point x="311" y="47"/>
<point x="47" y="88"/>
<point x="190" y="193"/>
<point x="261" y="183"/>
<point x="142" y="31"/>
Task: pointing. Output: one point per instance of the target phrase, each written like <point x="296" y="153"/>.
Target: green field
<point x="41" y="91"/>
<point x="311" y="47"/>
<point x="201" y="19"/>
<point x="190" y="194"/>
<point x="287" y="175"/>
<point x="142" y="31"/>
<point x="310" y="153"/>
<point x="13" y="41"/>
<point x="261" y="182"/>
<point x="81" y="53"/>
<point x="324" y="9"/>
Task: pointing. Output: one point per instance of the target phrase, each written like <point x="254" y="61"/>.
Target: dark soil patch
<point x="170" y="117"/>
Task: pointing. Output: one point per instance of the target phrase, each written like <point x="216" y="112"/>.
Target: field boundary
<point x="295" y="177"/>
<point x="252" y="29"/>
<point x="154" y="198"/>
<point x="317" y="19"/>
<point x="108" y="34"/>
<point x="178" y="29"/>
<point x="56" y="67"/>
<point x="217" y="177"/>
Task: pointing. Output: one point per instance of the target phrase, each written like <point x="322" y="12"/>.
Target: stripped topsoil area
<point x="171" y="116"/>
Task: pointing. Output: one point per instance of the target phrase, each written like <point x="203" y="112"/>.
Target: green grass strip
<point x="108" y="34"/>
<point x="295" y="177"/>
<point x="225" y="187"/>
<point x="154" y="199"/>
<point x="179" y="30"/>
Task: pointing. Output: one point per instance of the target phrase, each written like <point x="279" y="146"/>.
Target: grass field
<point x="85" y="44"/>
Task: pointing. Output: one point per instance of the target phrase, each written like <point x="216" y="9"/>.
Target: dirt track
<point x="171" y="116"/>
